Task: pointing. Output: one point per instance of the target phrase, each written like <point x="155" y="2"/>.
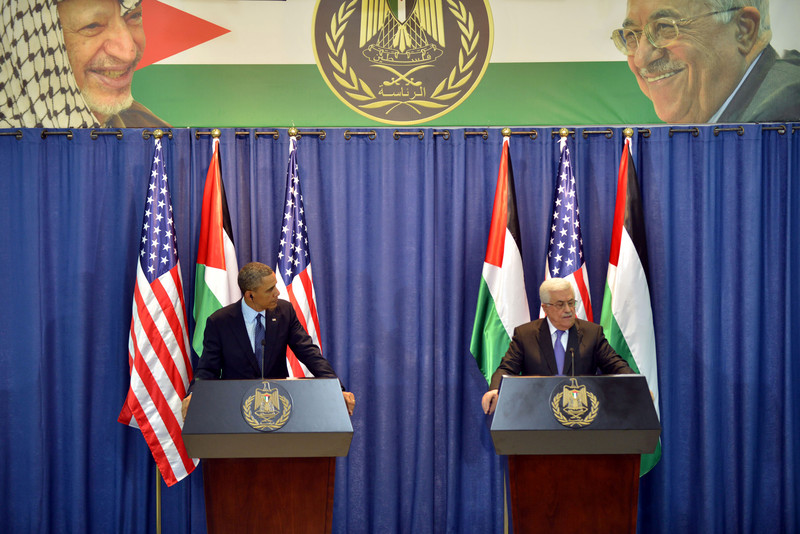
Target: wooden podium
<point x="573" y="447"/>
<point x="268" y="481"/>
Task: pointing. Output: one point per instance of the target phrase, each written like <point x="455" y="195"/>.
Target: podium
<point x="573" y="447"/>
<point x="269" y="479"/>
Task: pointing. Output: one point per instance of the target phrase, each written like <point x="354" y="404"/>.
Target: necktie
<point x="259" y="348"/>
<point x="558" y="348"/>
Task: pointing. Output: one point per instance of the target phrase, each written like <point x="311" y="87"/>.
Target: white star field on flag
<point x="293" y="256"/>
<point x="565" y="251"/>
<point x="157" y="252"/>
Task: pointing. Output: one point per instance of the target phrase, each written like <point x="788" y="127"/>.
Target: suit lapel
<point x="546" y="347"/>
<point x="744" y="95"/>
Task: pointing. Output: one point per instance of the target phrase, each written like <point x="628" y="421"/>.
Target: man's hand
<point x="489" y="401"/>
<point x="185" y="405"/>
<point x="349" y="400"/>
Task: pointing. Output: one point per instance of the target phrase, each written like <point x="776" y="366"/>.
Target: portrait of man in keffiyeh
<point x="70" y="64"/>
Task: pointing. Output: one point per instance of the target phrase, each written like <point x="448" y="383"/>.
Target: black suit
<point x="228" y="354"/>
<point x="531" y="352"/>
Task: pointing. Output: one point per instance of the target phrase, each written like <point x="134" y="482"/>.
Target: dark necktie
<point x="260" y="334"/>
<point x="558" y="348"/>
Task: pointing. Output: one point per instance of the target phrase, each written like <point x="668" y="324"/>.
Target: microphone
<point x="572" y="354"/>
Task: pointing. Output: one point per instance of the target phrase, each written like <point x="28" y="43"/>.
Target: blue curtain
<point x="398" y="225"/>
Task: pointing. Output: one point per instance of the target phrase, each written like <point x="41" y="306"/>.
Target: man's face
<point x="265" y="296"/>
<point x="103" y="48"/>
<point x="689" y="79"/>
<point x="562" y="317"/>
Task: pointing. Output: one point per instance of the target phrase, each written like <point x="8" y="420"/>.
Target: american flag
<point x="565" y="249"/>
<point x="158" y="342"/>
<point x="294" y="263"/>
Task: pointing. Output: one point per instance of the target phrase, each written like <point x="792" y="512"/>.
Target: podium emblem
<point x="574" y="406"/>
<point x="266" y="407"/>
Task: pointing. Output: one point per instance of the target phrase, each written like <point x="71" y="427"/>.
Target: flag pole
<point x="158" y="133"/>
<point x="158" y="500"/>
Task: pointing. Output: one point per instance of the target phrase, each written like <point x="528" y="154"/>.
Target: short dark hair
<point x="252" y="275"/>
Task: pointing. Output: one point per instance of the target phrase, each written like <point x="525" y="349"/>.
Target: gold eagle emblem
<point x="267" y="407"/>
<point x="575" y="406"/>
<point x="387" y="59"/>
<point x="402" y="32"/>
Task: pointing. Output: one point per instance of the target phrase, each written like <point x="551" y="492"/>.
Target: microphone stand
<point x="572" y="354"/>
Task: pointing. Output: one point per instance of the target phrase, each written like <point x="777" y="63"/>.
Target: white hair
<point x="553" y="284"/>
<point x="761" y="5"/>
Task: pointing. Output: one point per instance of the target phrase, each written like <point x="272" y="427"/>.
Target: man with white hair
<point x="709" y="61"/>
<point x="545" y="347"/>
<point x="70" y="64"/>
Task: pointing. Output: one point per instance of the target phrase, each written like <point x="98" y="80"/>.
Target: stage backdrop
<point x="398" y="227"/>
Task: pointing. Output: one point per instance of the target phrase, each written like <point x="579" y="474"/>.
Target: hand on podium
<point x="349" y="401"/>
<point x="489" y="401"/>
<point x="185" y="406"/>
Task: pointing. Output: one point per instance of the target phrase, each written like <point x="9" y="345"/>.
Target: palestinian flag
<point x="627" y="316"/>
<point x="215" y="282"/>
<point x="502" y="300"/>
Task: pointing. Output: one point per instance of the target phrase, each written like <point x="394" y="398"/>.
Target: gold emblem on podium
<point x="575" y="406"/>
<point x="266" y="407"/>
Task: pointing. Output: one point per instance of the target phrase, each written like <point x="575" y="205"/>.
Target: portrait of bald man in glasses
<point x="709" y="61"/>
<point x="70" y="64"/>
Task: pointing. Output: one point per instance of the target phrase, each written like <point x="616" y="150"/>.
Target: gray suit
<point x="770" y="93"/>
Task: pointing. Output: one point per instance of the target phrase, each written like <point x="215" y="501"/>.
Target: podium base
<point x="257" y="495"/>
<point x="574" y="493"/>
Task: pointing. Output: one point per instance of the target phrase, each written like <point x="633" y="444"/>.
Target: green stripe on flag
<point x="617" y="341"/>
<point x="613" y="333"/>
<point x="489" y="337"/>
<point x="205" y="303"/>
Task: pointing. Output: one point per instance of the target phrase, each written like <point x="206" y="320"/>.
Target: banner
<point x="551" y="63"/>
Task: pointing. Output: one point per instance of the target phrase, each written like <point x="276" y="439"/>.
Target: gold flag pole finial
<point x="292" y="131"/>
<point x="563" y="132"/>
<point x="628" y="132"/>
<point x="506" y="132"/>
<point x="215" y="133"/>
<point x="158" y="133"/>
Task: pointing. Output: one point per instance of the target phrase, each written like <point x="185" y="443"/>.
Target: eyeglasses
<point x="659" y="32"/>
<point x="561" y="304"/>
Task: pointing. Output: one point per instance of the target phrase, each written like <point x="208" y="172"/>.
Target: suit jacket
<point x="531" y="352"/>
<point x="227" y="353"/>
<point x="771" y="92"/>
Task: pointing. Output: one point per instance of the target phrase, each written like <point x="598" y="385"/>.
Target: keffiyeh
<point x="37" y="85"/>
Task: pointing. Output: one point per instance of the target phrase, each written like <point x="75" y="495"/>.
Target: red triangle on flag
<point x="169" y="31"/>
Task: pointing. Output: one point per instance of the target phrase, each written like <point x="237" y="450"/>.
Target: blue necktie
<point x="259" y="348"/>
<point x="558" y="348"/>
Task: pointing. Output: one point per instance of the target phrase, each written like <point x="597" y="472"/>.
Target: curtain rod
<point x="398" y="134"/>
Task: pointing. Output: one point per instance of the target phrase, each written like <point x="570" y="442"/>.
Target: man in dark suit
<point x="253" y="334"/>
<point x="534" y="350"/>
